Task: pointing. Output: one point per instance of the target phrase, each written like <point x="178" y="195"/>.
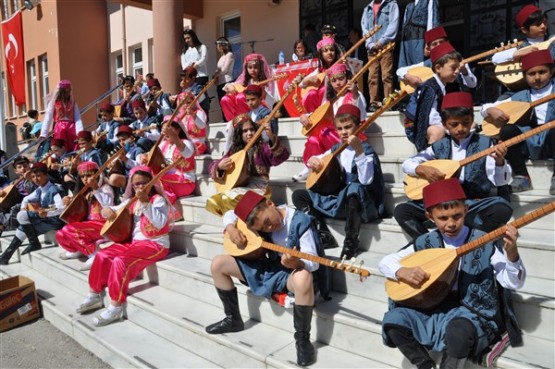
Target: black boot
<point x="34" y="243"/>
<point x="302" y="319"/>
<point x="232" y="321"/>
<point x="6" y="255"/>
<point x="352" y="229"/>
<point x="414" y="228"/>
<point x="326" y="238"/>
<point x="448" y="362"/>
<point x="410" y="347"/>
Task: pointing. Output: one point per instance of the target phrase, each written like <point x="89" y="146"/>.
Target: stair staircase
<point x="174" y="300"/>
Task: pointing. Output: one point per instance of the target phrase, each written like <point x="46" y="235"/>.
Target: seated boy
<point x="485" y="213"/>
<point x="24" y="187"/>
<point x="146" y="137"/>
<point x="433" y="38"/>
<point x="106" y="132"/>
<point x="271" y="273"/>
<point x="362" y="197"/>
<point x="257" y="111"/>
<point x="126" y="140"/>
<point x="423" y="124"/>
<point x="538" y="68"/>
<point x="39" y="213"/>
<point x="469" y="319"/>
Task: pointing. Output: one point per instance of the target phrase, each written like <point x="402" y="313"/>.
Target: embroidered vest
<point x="94" y="210"/>
<point x="187" y="165"/>
<point x="64" y="111"/>
<point x="194" y="132"/>
<point x="376" y="189"/>
<point x="147" y="228"/>
<point x="475" y="185"/>
<point x="47" y="197"/>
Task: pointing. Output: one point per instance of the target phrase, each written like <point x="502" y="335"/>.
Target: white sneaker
<point x="108" y="316"/>
<point x="70" y="255"/>
<point x="302" y="175"/>
<point x="91" y="303"/>
<point x="88" y="264"/>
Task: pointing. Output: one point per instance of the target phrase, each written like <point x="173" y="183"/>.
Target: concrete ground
<point x="39" y="344"/>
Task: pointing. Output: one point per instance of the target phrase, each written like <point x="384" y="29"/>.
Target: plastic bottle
<point x="281" y="57"/>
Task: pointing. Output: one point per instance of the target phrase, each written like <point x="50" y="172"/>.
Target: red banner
<point x="12" y="37"/>
<point x="293" y="104"/>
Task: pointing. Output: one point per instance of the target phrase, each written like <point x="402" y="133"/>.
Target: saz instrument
<point x="516" y="110"/>
<point x="322" y="75"/>
<point x="510" y="72"/>
<point x="240" y="88"/>
<point x="414" y="186"/>
<point x="327" y="180"/>
<point x="77" y="210"/>
<point x="325" y="110"/>
<point x="425" y="73"/>
<point x="256" y="247"/>
<point x="442" y="264"/>
<point x="119" y="229"/>
<point x="155" y="158"/>
<point x="238" y="174"/>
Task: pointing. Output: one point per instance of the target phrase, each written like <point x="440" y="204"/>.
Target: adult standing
<point x="384" y="13"/>
<point x="194" y="55"/>
<point x="224" y="67"/>
<point x="420" y="16"/>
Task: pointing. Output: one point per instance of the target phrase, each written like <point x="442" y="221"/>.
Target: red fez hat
<point x="434" y="34"/>
<point x="442" y="191"/>
<point x="349" y="109"/>
<point x="457" y="100"/>
<point x="107" y="107"/>
<point x="85" y="134"/>
<point x="189" y="72"/>
<point x="153" y="82"/>
<point x="139" y="103"/>
<point x="247" y="203"/>
<point x="87" y="167"/>
<point x="256" y="89"/>
<point x="524" y="13"/>
<point x="125" y="130"/>
<point x="535" y="58"/>
<point x="58" y="142"/>
<point x="40" y="165"/>
<point x="441" y="50"/>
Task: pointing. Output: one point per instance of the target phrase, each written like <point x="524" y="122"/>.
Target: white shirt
<point x="364" y="163"/>
<point x="469" y="80"/>
<point x="225" y="67"/>
<point x="508" y="55"/>
<point x="49" y="117"/>
<point x="195" y="55"/>
<point x="540" y="110"/>
<point x="498" y="175"/>
<point x="506" y="272"/>
<point x="34" y="197"/>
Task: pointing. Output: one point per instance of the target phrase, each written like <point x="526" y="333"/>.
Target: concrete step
<point x="184" y="302"/>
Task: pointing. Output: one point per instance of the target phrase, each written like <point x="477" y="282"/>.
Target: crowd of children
<point x="158" y="131"/>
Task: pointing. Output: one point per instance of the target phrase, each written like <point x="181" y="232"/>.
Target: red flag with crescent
<point x="12" y="38"/>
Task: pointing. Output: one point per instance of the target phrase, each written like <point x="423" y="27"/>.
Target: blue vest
<point x="418" y="14"/>
<point x="475" y="185"/>
<point x="47" y="197"/>
<point x="92" y="155"/>
<point x="376" y="189"/>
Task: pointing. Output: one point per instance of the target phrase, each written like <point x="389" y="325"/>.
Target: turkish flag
<point x="293" y="104"/>
<point x="12" y="37"/>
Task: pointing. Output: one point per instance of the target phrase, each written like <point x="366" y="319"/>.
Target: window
<point x="231" y="28"/>
<point x="32" y="80"/>
<point x="137" y="61"/>
<point x="44" y="81"/>
<point x="118" y="67"/>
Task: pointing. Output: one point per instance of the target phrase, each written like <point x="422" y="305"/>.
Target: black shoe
<point x="6" y="256"/>
<point x="327" y="240"/>
<point x="34" y="243"/>
<point x="302" y="319"/>
<point x="232" y="321"/>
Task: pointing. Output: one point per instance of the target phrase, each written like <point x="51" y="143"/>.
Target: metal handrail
<point x="81" y="111"/>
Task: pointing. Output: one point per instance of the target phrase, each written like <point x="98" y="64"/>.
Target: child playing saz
<point x="274" y="273"/>
<point x="477" y="178"/>
<point x="361" y="199"/>
<point x="470" y="318"/>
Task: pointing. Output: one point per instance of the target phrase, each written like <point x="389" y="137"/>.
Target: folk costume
<point x="195" y="125"/>
<point x="63" y="113"/>
<point x="81" y="237"/>
<point x="473" y="315"/>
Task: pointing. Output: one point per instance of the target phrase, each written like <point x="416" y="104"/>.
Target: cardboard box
<point x="18" y="302"/>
